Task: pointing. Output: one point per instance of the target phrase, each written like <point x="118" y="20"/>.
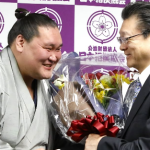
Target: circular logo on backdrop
<point x="102" y="26"/>
<point x="102" y="70"/>
<point x="1" y="22"/>
<point x="52" y="14"/>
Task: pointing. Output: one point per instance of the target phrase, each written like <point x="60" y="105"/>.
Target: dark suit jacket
<point x="136" y="134"/>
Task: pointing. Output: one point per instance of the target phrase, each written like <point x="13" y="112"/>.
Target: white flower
<point x="106" y="78"/>
<point x="60" y="82"/>
<point x="98" y="84"/>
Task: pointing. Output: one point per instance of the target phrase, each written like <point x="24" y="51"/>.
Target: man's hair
<point x="141" y="10"/>
<point x="27" y="25"/>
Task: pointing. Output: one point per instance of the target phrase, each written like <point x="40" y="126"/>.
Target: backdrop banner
<point x="88" y="27"/>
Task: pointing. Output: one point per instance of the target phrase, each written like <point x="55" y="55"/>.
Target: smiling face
<point x="38" y="58"/>
<point x="137" y="49"/>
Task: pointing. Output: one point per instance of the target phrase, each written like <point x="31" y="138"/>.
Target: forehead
<point x="47" y="30"/>
<point x="129" y="26"/>
<point x="49" y="34"/>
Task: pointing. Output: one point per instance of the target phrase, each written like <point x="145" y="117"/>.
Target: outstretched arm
<point x="96" y="142"/>
<point x="92" y="141"/>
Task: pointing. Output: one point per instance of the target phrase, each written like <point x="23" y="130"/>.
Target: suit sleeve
<point x="111" y="143"/>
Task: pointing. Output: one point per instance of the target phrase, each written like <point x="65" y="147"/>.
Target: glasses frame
<point x="123" y="40"/>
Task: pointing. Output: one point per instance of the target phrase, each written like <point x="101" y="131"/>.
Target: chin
<point x="130" y="64"/>
<point x="43" y="77"/>
<point x="47" y="76"/>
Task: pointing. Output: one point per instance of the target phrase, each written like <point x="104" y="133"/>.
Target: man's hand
<point x="92" y="141"/>
<point x="41" y="149"/>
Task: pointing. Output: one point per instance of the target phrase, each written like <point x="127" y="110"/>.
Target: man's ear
<point x="20" y="43"/>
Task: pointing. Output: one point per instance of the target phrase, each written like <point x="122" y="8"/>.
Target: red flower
<point x="98" y="75"/>
<point x="91" y="76"/>
<point x="116" y="72"/>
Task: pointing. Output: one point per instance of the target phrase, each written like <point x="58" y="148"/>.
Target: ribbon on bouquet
<point x="99" y="124"/>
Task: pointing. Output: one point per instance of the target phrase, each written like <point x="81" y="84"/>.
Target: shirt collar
<point x="144" y="75"/>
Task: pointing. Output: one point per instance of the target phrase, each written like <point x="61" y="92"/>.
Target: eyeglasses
<point x="123" y="40"/>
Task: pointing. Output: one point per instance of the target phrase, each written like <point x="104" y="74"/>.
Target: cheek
<point x="42" y="55"/>
<point x="135" y="51"/>
<point x="142" y="52"/>
<point x="58" y="55"/>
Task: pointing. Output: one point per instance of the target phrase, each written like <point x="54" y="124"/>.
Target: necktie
<point x="131" y="95"/>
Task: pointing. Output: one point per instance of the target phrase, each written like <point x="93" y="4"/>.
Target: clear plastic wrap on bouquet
<point x="86" y="95"/>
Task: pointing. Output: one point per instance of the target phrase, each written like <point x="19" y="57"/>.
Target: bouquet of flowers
<point x="86" y="95"/>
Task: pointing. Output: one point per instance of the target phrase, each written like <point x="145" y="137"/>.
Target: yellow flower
<point x="100" y="95"/>
<point x="97" y="84"/>
<point x="120" y="78"/>
<point x="107" y="86"/>
<point x="106" y="81"/>
<point x="60" y="82"/>
<point x="127" y="80"/>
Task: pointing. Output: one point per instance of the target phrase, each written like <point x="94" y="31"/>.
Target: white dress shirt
<point x="144" y="75"/>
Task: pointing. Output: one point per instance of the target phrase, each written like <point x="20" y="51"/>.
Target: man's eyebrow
<point x="60" y="45"/>
<point x="53" y="45"/>
<point x="124" y="33"/>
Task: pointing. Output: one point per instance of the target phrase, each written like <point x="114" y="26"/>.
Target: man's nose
<point x="123" y="46"/>
<point x="53" y="57"/>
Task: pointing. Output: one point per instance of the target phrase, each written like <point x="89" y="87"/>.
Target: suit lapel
<point x="137" y="104"/>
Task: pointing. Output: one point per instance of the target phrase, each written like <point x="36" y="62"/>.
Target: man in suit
<point x="34" y="48"/>
<point x="135" y="43"/>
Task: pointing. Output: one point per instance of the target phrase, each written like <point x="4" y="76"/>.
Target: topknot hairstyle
<point x="21" y="12"/>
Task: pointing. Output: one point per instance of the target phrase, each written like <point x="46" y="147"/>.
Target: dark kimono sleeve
<point x="64" y="144"/>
